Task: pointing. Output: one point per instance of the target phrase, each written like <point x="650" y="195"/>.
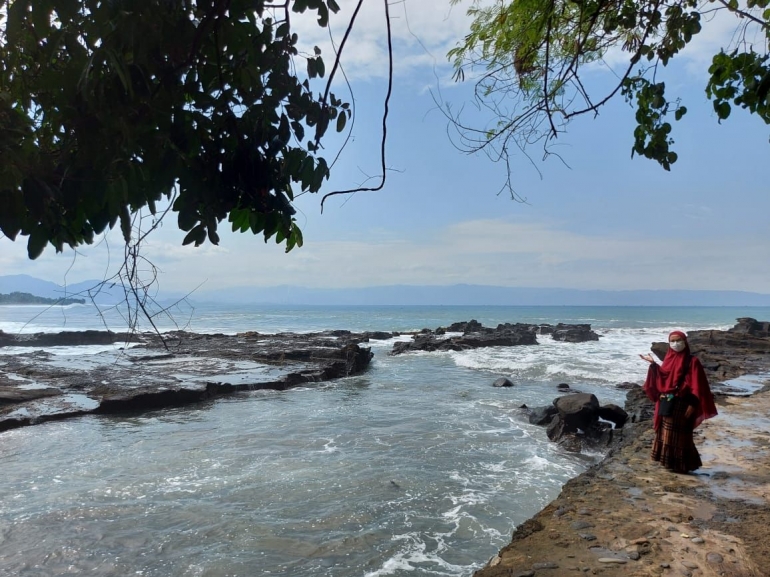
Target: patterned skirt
<point x="674" y="447"/>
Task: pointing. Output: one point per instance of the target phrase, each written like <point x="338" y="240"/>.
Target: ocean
<point x="417" y="467"/>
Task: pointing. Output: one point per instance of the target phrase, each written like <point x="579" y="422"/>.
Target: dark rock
<point x="11" y="395"/>
<point x="749" y="326"/>
<point x="545" y="565"/>
<point x="577" y="411"/>
<point x="555" y="429"/>
<point x="574" y="333"/>
<point x="469" y="340"/>
<point x="474" y="335"/>
<point x="379" y="335"/>
<point x="626" y="385"/>
<point x="66" y="339"/>
<point x="542" y="415"/>
<point x="503" y="382"/>
<point x="562" y="386"/>
<point x="638" y="407"/>
<point x="659" y="350"/>
<point x="714" y="558"/>
<point x="613" y="414"/>
<point x="471" y="326"/>
<point x="155" y="379"/>
<point x="578" y="525"/>
<point x="526" y="529"/>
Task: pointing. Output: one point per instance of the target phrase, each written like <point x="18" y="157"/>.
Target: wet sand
<point x="629" y="516"/>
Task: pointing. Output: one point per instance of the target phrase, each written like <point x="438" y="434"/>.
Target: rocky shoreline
<point x="629" y="516"/>
<point x="623" y="516"/>
<point x="153" y="371"/>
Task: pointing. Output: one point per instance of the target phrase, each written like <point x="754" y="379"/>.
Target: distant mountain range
<point x="42" y="288"/>
<point x="408" y="295"/>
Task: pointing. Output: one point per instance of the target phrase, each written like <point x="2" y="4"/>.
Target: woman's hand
<point x="648" y="358"/>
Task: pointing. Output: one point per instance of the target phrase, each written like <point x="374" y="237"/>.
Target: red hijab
<point x="664" y="379"/>
<point x="674" y="364"/>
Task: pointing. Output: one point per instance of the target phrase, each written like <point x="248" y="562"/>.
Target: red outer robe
<point x="662" y="379"/>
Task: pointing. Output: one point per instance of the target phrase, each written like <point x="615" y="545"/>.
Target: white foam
<point x="413" y="557"/>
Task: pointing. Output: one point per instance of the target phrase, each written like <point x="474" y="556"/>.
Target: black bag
<point x="666" y="405"/>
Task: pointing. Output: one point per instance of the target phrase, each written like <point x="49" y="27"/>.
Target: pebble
<point x="698" y="540"/>
<point x="577" y="525"/>
<point x="634" y="555"/>
<point x="560" y="511"/>
<point x="545" y="565"/>
<point x="715" y="558"/>
<point x="612" y="560"/>
<point x="690" y="564"/>
<point x="584" y="512"/>
<point x="587" y="536"/>
<point x="665" y="565"/>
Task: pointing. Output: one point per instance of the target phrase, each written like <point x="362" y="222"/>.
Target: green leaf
<point x="125" y="223"/>
<point x="299" y="130"/>
<point x="722" y="109"/>
<point x="341" y="119"/>
<point x="196" y="235"/>
<point x="37" y="241"/>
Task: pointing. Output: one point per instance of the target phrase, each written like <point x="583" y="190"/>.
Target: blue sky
<point x="606" y="222"/>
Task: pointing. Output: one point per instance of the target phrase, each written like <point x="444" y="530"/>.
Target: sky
<point x="596" y="219"/>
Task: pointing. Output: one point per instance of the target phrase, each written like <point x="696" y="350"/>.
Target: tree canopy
<point x="533" y="58"/>
<point x="107" y="107"/>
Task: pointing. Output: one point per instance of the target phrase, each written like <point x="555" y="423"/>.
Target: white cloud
<point x="487" y="251"/>
<point x="423" y="31"/>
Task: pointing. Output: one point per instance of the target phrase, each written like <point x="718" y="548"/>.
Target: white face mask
<point x="677" y="346"/>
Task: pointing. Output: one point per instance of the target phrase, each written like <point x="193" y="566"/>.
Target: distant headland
<point x="19" y="298"/>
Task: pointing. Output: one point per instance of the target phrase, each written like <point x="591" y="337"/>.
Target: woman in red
<point x="683" y="399"/>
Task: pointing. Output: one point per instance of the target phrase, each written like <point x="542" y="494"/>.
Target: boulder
<point x="379" y="335"/>
<point x="638" y="407"/>
<point x="542" y="415"/>
<point x="577" y="411"/>
<point x="503" y="382"/>
<point x="626" y="385"/>
<point x="659" y="350"/>
<point x="574" y="333"/>
<point x="563" y="386"/>
<point x="749" y="326"/>
<point x="613" y="414"/>
<point x="555" y="428"/>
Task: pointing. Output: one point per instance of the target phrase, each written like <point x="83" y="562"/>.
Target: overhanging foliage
<point x="533" y="57"/>
<point x="107" y="107"/>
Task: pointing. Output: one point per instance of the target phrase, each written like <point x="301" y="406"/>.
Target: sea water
<point x="417" y="467"/>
